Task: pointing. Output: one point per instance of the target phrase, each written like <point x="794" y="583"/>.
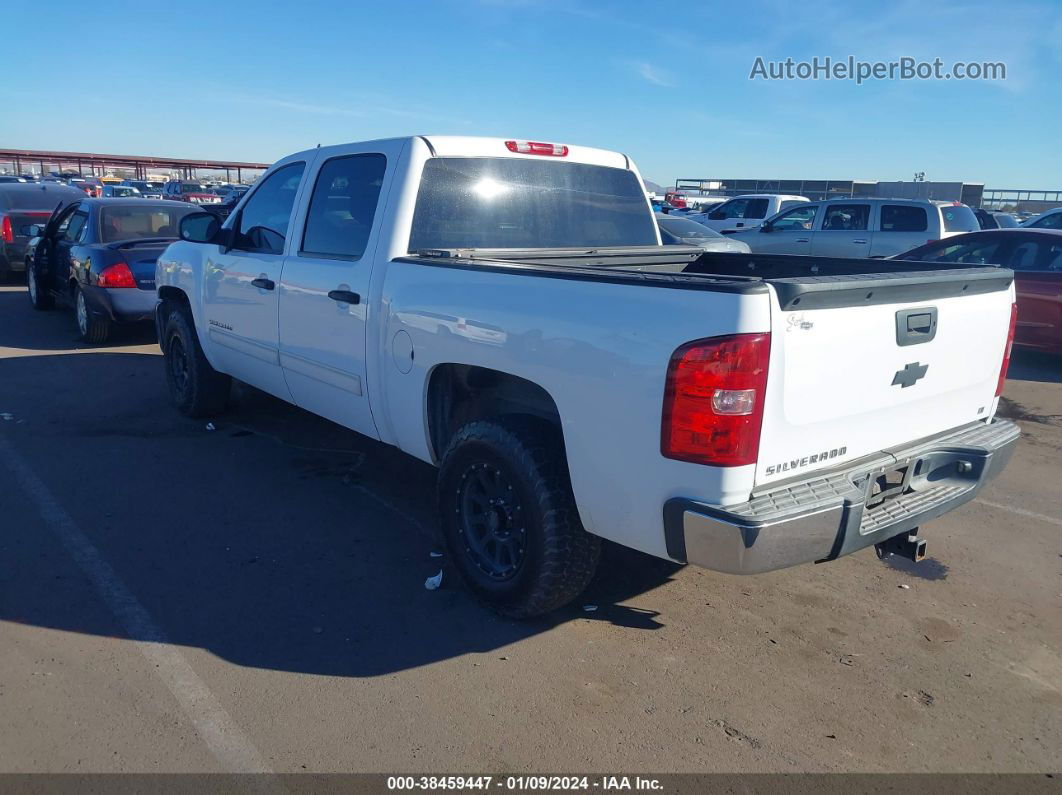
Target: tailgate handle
<point x="915" y="326"/>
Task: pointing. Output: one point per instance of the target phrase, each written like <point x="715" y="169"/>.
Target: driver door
<point x="240" y="297"/>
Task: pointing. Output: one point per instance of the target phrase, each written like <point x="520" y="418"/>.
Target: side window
<point x="799" y="219"/>
<point x="846" y="218"/>
<point x="733" y="209"/>
<point x="983" y="252"/>
<point x="1052" y="221"/>
<point x="756" y="208"/>
<point x="1024" y="258"/>
<point x="263" y="222"/>
<point x="1052" y="258"/>
<point x="74" y="227"/>
<point x="787" y="203"/>
<point x="903" y="218"/>
<point x="343" y="206"/>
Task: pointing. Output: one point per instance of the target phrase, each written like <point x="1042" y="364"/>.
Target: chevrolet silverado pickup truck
<point x="504" y="310"/>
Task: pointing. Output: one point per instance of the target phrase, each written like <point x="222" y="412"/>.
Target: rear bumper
<point x="121" y="304"/>
<point x="825" y="516"/>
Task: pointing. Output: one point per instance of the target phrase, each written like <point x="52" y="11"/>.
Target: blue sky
<point x="666" y="83"/>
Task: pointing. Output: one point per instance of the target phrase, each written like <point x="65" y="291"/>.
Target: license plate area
<point x="889" y="484"/>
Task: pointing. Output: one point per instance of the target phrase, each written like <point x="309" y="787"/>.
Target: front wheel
<point x="509" y="517"/>
<point x="90" y="327"/>
<point x="197" y="389"/>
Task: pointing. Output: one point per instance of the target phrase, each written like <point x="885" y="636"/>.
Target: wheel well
<point x="168" y="293"/>
<point x="461" y="393"/>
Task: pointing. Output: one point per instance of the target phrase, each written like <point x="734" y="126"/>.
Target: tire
<point x="495" y="473"/>
<point x="91" y="328"/>
<point x="40" y="298"/>
<point x="196" y="388"/>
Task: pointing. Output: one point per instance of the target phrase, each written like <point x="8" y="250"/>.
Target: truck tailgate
<point x="867" y="363"/>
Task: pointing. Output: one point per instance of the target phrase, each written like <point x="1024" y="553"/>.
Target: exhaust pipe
<point x="906" y="545"/>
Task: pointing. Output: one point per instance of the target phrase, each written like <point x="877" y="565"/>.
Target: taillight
<point x="1007" y="350"/>
<point x="7" y="234"/>
<point x="713" y="400"/>
<point x="117" y="275"/>
<point x="537" y="148"/>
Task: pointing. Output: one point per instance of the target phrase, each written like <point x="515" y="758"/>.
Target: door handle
<point x="263" y="283"/>
<point x="858" y="241"/>
<point x="346" y="296"/>
<point x="801" y="240"/>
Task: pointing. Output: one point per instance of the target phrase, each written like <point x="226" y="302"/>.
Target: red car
<point x="1035" y="256"/>
<point x="186" y="191"/>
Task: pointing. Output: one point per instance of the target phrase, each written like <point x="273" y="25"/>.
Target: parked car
<point x="678" y="231"/>
<point x="1035" y="256"/>
<point x="194" y="192"/>
<point x="1051" y="219"/>
<point x="22" y="205"/>
<point x="111" y="191"/>
<point x="91" y="186"/>
<point x="994" y="220"/>
<point x="859" y="227"/>
<point x="691" y="405"/>
<point x="749" y="211"/>
<point x="98" y="256"/>
<point x="149" y="190"/>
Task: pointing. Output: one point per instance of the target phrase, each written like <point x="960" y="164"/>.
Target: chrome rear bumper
<point x="826" y="516"/>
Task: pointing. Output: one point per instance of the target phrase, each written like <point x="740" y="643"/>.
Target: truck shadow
<point x="56" y="329"/>
<point x="269" y="537"/>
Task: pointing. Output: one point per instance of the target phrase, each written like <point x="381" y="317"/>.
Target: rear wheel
<point x="92" y="328"/>
<point x="509" y="517"/>
<point x="197" y="389"/>
<point x="39" y="296"/>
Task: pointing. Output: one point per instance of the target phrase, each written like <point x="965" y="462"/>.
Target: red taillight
<point x="7" y="234"/>
<point x="713" y="400"/>
<point x="117" y="275"/>
<point x="537" y="148"/>
<point x="1007" y="350"/>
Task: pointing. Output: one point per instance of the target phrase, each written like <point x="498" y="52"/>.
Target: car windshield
<point x="132" y="223"/>
<point x="123" y="190"/>
<point x="194" y="187"/>
<point x="687" y="229"/>
<point x="496" y="202"/>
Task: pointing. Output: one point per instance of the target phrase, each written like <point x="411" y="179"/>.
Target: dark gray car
<point x="22" y="205"/>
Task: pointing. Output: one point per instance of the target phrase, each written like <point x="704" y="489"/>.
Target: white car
<point x="859" y="227"/>
<point x="504" y="310"/>
<point x="1051" y="219"/>
<point x="747" y="212"/>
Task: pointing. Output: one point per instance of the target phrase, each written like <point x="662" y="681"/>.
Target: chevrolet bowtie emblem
<point x="909" y="374"/>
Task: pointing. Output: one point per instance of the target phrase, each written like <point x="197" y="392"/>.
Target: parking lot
<point x="249" y="595"/>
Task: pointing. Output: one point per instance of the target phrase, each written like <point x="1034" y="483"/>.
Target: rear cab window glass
<point x="959" y="218"/>
<point x="498" y="202"/>
<point x="846" y="218"/>
<point x="756" y="208"/>
<point x="903" y="218"/>
<point x="343" y="206"/>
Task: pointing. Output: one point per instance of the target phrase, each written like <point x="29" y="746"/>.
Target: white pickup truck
<point x="505" y="311"/>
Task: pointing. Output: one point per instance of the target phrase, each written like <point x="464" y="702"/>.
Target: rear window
<point x="194" y="187"/>
<point x="903" y="218"/>
<point x="959" y="218"/>
<point x="489" y="202"/>
<point x="133" y="223"/>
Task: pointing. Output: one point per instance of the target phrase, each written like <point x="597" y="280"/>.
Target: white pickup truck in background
<point x="505" y="311"/>
<point x="746" y="212"/>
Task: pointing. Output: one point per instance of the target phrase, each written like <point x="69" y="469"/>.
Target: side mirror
<point x="766" y="226"/>
<point x="199" y="227"/>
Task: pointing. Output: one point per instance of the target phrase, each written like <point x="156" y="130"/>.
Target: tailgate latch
<point x="915" y="326"/>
